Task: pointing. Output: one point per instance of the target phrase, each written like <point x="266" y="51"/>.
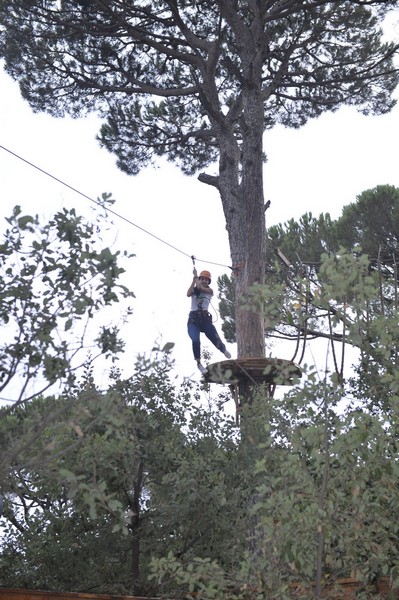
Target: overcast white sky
<point x="319" y="168"/>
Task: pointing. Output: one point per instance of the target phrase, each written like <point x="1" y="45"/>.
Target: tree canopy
<point x="115" y="478"/>
<point x="199" y="83"/>
<point x="54" y="278"/>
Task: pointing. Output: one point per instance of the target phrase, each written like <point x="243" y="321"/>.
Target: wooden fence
<point x="343" y="589"/>
<point x="22" y="594"/>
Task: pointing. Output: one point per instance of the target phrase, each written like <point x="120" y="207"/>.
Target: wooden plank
<point x="342" y="589"/>
<point x="22" y="594"/>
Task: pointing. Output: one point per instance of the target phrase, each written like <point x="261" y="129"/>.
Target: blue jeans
<point x="200" y="321"/>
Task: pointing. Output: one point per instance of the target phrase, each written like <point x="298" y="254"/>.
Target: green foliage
<point x="54" y="278"/>
<point x="171" y="82"/>
<point x="98" y="483"/>
<point x="302" y="241"/>
<point x="372" y="223"/>
<point x="324" y="507"/>
<point x="330" y="495"/>
<point x="202" y="577"/>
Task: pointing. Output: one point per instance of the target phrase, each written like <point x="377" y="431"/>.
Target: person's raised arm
<point x="194" y="282"/>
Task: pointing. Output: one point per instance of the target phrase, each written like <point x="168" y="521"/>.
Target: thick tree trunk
<point x="249" y="320"/>
<point x="240" y="180"/>
<point x="241" y="190"/>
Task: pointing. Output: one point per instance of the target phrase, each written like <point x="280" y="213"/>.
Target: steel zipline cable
<point x="47" y="174"/>
<point x="119" y="216"/>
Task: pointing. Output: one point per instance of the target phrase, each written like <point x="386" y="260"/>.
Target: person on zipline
<point x="199" y="319"/>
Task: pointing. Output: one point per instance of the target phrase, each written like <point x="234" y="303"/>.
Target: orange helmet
<point x="206" y="274"/>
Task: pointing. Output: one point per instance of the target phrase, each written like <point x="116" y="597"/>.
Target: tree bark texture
<point x="241" y="190"/>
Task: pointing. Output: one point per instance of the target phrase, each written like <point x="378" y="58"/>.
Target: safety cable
<point x="193" y="258"/>
<point x="109" y="209"/>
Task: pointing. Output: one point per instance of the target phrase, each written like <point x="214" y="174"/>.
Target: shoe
<point x="227" y="354"/>
<point x="201" y="368"/>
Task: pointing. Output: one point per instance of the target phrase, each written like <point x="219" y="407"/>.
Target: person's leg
<point x="210" y="331"/>
<point x="194" y="333"/>
<point x="194" y="330"/>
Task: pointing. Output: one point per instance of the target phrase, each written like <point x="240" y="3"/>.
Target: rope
<point x="109" y="209"/>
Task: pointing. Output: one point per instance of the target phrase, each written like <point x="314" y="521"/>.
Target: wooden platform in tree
<point x="272" y="371"/>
